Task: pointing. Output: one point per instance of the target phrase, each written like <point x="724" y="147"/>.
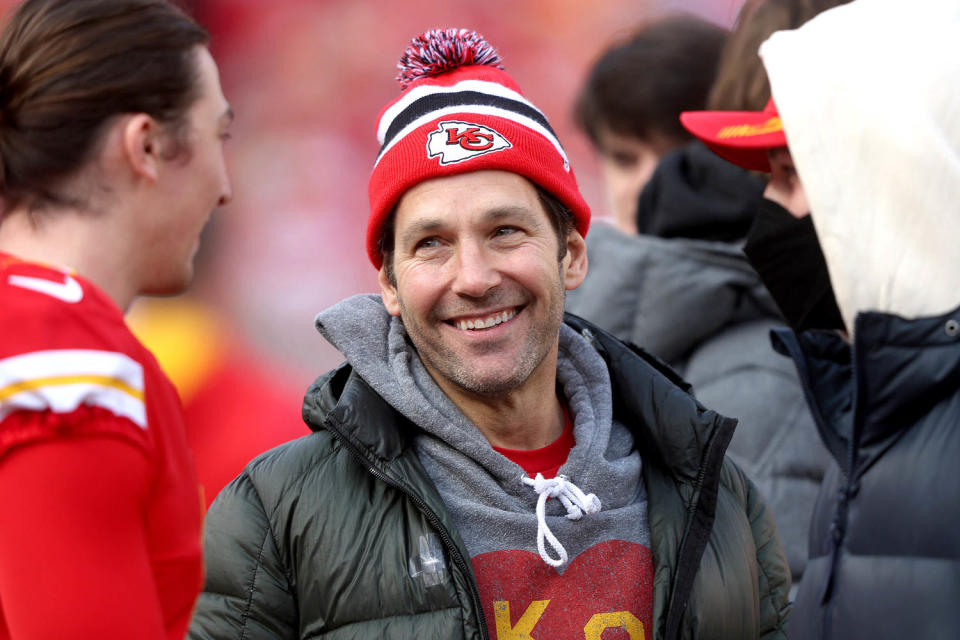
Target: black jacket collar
<point x="893" y="374"/>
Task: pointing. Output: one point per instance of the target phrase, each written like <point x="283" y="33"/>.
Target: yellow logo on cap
<point x="745" y="130"/>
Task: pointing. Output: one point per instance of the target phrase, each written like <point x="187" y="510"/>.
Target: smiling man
<point x="482" y="466"/>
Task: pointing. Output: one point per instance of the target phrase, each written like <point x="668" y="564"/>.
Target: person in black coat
<point x="860" y="249"/>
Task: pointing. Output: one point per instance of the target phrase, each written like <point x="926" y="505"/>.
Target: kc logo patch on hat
<point x="456" y="141"/>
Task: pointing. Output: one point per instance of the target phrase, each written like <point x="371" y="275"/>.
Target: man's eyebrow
<point x="427" y="226"/>
<point x="524" y="214"/>
<point x="420" y="228"/>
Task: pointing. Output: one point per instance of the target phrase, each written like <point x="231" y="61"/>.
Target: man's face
<point x="627" y="163"/>
<point x="192" y="184"/>
<point x="478" y="283"/>
<point x="785" y="187"/>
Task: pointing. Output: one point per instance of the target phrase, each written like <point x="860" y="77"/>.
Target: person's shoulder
<point x="65" y="353"/>
<point x="735" y="481"/>
<point x="45" y="307"/>
<point x="282" y="470"/>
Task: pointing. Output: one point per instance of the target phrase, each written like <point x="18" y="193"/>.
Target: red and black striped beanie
<point x="459" y="111"/>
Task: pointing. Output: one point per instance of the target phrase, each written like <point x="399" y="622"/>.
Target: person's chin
<point x="170" y="284"/>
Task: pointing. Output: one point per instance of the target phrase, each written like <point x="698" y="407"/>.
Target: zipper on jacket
<point x="678" y="601"/>
<point x="432" y="517"/>
<point x="848" y="489"/>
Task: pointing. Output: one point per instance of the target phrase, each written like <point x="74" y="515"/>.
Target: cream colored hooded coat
<point x="869" y="95"/>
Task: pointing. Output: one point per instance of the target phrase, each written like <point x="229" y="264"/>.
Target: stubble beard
<point x="440" y="359"/>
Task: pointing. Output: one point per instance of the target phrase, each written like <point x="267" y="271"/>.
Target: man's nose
<point x="476" y="272"/>
<point x="226" y="190"/>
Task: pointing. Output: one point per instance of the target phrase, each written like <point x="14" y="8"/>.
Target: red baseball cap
<point x="742" y="137"/>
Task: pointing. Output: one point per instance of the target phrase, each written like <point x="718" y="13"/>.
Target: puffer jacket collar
<point x="671" y="428"/>
<point x="868" y="394"/>
<point x="339" y="398"/>
<point x="650" y="404"/>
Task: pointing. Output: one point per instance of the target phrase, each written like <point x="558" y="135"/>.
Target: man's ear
<point x="141" y="145"/>
<point x="575" y="261"/>
<point x="389" y="293"/>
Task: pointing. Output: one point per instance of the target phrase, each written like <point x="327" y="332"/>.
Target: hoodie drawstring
<point x="572" y="498"/>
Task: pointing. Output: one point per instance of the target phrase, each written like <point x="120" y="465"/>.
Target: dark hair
<point x="561" y="219"/>
<point x="742" y="83"/>
<point x="68" y="66"/>
<point x="639" y="86"/>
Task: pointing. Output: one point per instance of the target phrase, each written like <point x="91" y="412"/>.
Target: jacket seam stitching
<point x="253" y="582"/>
<point x="766" y="576"/>
<point x="761" y="567"/>
<point x="267" y="534"/>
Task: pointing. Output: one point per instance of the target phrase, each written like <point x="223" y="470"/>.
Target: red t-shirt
<point x="100" y="514"/>
<point x="550" y="458"/>
<point x="604" y="592"/>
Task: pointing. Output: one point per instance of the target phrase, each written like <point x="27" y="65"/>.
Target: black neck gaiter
<point x="785" y="251"/>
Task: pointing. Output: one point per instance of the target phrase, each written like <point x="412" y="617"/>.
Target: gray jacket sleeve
<point x="247" y="592"/>
<point x="776" y="443"/>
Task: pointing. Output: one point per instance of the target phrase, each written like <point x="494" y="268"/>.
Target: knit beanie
<point x="459" y="111"/>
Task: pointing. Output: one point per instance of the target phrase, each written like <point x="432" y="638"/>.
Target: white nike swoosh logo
<point x="69" y="291"/>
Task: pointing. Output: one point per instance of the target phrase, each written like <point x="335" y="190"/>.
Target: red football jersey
<point x="71" y="371"/>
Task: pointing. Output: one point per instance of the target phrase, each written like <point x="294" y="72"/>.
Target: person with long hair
<point x="112" y="123"/>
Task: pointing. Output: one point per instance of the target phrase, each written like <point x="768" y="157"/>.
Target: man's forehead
<point x="428" y="220"/>
<point x="487" y="193"/>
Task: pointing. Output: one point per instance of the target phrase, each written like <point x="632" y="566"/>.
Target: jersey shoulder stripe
<point x="61" y="380"/>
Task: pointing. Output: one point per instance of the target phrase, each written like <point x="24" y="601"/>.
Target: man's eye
<point x="505" y="231"/>
<point x="427" y="243"/>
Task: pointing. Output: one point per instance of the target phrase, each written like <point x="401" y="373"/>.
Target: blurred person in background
<point x="863" y="146"/>
<point x="629" y="103"/>
<point x="112" y="122"/>
<point x="420" y="506"/>
<point x="683" y="289"/>
<point x="237" y="402"/>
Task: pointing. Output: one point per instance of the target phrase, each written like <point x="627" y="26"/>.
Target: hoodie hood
<point x="480" y="487"/>
<point x="868" y="99"/>
<point x="667" y="294"/>
<point x="695" y="194"/>
<point x="376" y="346"/>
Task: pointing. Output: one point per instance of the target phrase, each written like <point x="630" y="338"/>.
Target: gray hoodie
<point x="493" y="510"/>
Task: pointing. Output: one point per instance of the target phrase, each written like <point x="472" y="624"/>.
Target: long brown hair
<point x="68" y="66"/>
<point x="741" y="83"/>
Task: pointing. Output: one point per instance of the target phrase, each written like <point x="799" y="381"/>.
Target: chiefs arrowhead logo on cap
<point x="456" y="141"/>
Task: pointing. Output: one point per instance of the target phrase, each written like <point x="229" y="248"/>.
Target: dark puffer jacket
<point x="321" y="537"/>
<point x="884" y="542"/>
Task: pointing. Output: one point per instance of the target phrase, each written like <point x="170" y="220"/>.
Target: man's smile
<point x="484" y="322"/>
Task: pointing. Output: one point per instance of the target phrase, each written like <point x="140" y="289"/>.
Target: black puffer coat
<point x="884" y="542"/>
<point x="315" y="539"/>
